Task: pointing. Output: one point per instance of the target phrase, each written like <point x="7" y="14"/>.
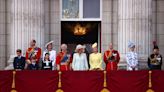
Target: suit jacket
<point x="19" y="63"/>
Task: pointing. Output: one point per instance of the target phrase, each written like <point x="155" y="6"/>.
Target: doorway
<point x="83" y="32"/>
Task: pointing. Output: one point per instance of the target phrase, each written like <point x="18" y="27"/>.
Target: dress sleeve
<point x="129" y="59"/>
<point x="105" y="58"/>
<point x="14" y="63"/>
<point x="73" y="61"/>
<point x="58" y="59"/>
<point x="27" y="54"/>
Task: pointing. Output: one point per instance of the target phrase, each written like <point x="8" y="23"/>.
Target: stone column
<point x="106" y="24"/>
<point x="159" y="24"/>
<point x="2" y="34"/>
<point x="134" y="24"/>
<point x="55" y="23"/>
<point x="26" y="22"/>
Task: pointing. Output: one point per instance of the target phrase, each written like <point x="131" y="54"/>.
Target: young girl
<point x="46" y="64"/>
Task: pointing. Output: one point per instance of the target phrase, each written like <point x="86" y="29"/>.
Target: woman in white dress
<point x="52" y="54"/>
<point x="79" y="62"/>
<point x="132" y="58"/>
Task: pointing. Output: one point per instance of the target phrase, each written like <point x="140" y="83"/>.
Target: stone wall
<point x="160" y="25"/>
<point x="2" y="34"/>
<point x="55" y="23"/>
<point x="23" y="20"/>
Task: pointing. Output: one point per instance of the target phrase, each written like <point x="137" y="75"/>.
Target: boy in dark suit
<point x="19" y="61"/>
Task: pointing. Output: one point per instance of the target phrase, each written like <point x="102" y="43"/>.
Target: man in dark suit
<point x="19" y="61"/>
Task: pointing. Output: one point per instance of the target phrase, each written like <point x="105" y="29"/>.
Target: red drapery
<point x="81" y="81"/>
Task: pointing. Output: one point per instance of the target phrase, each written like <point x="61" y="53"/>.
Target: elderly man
<point x="95" y="59"/>
<point x="52" y="54"/>
<point x="63" y="59"/>
<point x="132" y="57"/>
<point x="33" y="55"/>
<point x="111" y="58"/>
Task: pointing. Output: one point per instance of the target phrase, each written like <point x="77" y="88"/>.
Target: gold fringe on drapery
<point x="150" y="83"/>
<point x="13" y="82"/>
<point x="105" y="84"/>
<point x="59" y="83"/>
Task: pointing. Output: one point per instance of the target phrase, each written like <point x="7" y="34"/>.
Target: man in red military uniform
<point x="63" y="59"/>
<point x="33" y="55"/>
<point x="111" y="58"/>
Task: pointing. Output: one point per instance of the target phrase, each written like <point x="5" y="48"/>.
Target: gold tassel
<point x="105" y="84"/>
<point x="59" y="83"/>
<point x="150" y="83"/>
<point x="13" y="83"/>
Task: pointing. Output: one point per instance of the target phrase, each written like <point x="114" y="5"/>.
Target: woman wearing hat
<point x="79" y="62"/>
<point x="95" y="59"/>
<point x="132" y="58"/>
<point x="52" y="54"/>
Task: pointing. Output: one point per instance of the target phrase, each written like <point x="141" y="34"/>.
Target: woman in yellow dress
<point x="95" y="59"/>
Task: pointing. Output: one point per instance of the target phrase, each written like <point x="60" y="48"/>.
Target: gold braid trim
<point x="105" y="84"/>
<point x="13" y="83"/>
<point x="59" y="83"/>
<point x="150" y="83"/>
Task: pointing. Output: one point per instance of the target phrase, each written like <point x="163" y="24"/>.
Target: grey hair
<point x="63" y="46"/>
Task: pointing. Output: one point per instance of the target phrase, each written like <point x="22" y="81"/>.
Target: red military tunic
<point x="111" y="58"/>
<point x="33" y="53"/>
<point x="63" y="60"/>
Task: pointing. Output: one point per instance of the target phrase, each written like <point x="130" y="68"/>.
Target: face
<point x="95" y="49"/>
<point x="18" y="53"/>
<point x="47" y="56"/>
<point x="110" y="46"/>
<point x="63" y="47"/>
<point x="49" y="46"/>
<point x="156" y="51"/>
<point x="80" y="50"/>
<point x="132" y="49"/>
<point x="32" y="43"/>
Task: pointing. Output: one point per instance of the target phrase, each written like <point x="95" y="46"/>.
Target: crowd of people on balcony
<point x="79" y="60"/>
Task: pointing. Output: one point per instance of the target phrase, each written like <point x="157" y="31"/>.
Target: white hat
<point x="79" y="46"/>
<point x="94" y="45"/>
<point x="131" y="44"/>
<point x="48" y="43"/>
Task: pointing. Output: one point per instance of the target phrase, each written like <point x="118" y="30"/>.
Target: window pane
<point x="70" y="9"/>
<point x="91" y="8"/>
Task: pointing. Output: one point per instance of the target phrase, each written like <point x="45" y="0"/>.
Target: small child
<point x="47" y="64"/>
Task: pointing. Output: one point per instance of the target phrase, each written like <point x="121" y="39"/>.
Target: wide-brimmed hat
<point x="48" y="43"/>
<point x="131" y="44"/>
<point x="94" y="45"/>
<point x="79" y="46"/>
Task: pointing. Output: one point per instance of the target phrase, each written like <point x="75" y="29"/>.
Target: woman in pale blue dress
<point x="79" y="62"/>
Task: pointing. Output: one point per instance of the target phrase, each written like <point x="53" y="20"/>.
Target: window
<point x="81" y="9"/>
<point x="70" y="9"/>
<point x="91" y="8"/>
